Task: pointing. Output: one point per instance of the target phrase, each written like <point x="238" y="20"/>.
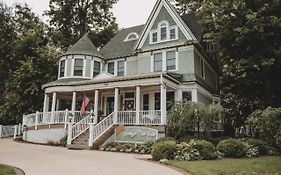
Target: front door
<point x="109" y="105"/>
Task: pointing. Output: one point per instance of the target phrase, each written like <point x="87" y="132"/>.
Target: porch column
<point x="194" y="95"/>
<point x="116" y="98"/>
<point x="53" y="106"/>
<point x="58" y="104"/>
<point x="96" y="109"/>
<point x="73" y="106"/>
<point x="163" y="104"/>
<point x="137" y="105"/>
<point x="46" y="105"/>
<point x="178" y="95"/>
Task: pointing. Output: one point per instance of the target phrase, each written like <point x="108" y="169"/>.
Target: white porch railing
<point x="99" y="129"/>
<point x="145" y="117"/>
<point x="126" y="117"/>
<point x="80" y="127"/>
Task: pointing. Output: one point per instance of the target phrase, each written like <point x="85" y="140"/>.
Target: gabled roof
<point x="83" y="46"/>
<point x="174" y="14"/>
<point x="117" y="47"/>
<point x="192" y="21"/>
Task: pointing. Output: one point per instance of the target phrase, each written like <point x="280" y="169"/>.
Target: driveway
<point x="45" y="160"/>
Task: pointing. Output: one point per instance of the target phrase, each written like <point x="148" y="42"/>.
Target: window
<point x="97" y="66"/>
<point x="157" y="101"/>
<point x="129" y="95"/>
<point x="172" y="34"/>
<point x="163" y="32"/>
<point x="78" y="67"/>
<point x="110" y="68"/>
<point x="146" y="102"/>
<point x="154" y="37"/>
<point x="170" y="100"/>
<point x="132" y="36"/>
<point x="121" y="68"/>
<point x="186" y="95"/>
<point x="158" y="62"/>
<point x="171" y="60"/>
<point x="62" y="67"/>
<point x="202" y="68"/>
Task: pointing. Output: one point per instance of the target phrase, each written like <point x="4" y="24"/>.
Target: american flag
<point x="85" y="103"/>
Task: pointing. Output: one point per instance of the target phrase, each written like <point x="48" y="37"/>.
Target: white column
<point x="96" y="106"/>
<point x="54" y="100"/>
<point x="116" y="98"/>
<point x="36" y="120"/>
<point x="73" y="106"/>
<point x="91" y="135"/>
<point x="1" y="127"/>
<point x="15" y="131"/>
<point x="58" y="104"/>
<point x="194" y="95"/>
<point x="137" y="105"/>
<point x="178" y="95"/>
<point x="69" y="134"/>
<point x="163" y="104"/>
<point x="45" y="103"/>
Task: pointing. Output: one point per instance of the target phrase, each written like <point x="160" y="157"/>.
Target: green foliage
<point x="246" y="35"/>
<point x="185" y="151"/>
<point x="206" y="149"/>
<point x="261" y="145"/>
<point x="29" y="64"/>
<point x="63" y="141"/>
<point x="163" y="150"/>
<point x="70" y="19"/>
<point x="185" y="116"/>
<point x="231" y="148"/>
<point x="266" y="125"/>
<point x="165" y="139"/>
<point x="128" y="148"/>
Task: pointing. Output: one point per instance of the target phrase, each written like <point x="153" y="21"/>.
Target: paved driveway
<point x="44" y="160"/>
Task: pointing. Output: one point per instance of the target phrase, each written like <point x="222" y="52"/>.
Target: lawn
<point x="269" y="165"/>
<point x="5" y="170"/>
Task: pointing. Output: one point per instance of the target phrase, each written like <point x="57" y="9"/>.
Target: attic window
<point x="164" y="32"/>
<point x="132" y="36"/>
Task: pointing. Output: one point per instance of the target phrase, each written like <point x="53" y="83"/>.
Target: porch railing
<point x="80" y="127"/>
<point x="145" y="117"/>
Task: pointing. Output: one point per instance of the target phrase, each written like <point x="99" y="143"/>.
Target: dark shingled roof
<point x="64" y="81"/>
<point x="116" y="47"/>
<point x="192" y="21"/>
<point x="84" y="46"/>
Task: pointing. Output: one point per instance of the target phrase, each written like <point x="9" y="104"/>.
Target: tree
<point x="34" y="64"/>
<point x="71" y="19"/>
<point x="247" y="35"/>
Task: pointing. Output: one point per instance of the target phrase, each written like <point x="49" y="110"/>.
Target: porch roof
<point x="80" y="82"/>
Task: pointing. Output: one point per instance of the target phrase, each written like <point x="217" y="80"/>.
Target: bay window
<point x="78" y="67"/>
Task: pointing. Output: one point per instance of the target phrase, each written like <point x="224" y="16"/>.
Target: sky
<point x="127" y="12"/>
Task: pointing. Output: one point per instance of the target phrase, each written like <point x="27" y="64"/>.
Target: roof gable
<point x="84" y="46"/>
<point x="152" y="18"/>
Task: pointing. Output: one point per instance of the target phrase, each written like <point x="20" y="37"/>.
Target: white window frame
<point x="116" y="66"/>
<point x="93" y="66"/>
<point x="132" y="39"/>
<point x="84" y="66"/>
<point x="65" y="64"/>
<point x="164" y="60"/>
<point x="158" y="30"/>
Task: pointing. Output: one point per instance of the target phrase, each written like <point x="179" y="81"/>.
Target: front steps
<point x="82" y="142"/>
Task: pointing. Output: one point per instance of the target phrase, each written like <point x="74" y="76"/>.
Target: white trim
<point x="92" y="68"/>
<point x="72" y="66"/>
<point x="65" y="68"/>
<point x="151" y="20"/>
<point x="168" y="34"/>
<point x="132" y="39"/>
<point x="164" y="60"/>
<point x="116" y="66"/>
<point x="84" y="67"/>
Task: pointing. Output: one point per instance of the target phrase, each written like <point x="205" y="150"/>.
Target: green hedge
<point x="231" y="148"/>
<point x="163" y="150"/>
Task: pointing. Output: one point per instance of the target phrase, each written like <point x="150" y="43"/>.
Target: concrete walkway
<point x="45" y="160"/>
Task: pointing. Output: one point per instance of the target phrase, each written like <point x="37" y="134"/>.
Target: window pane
<point x="170" y="100"/>
<point x="171" y="60"/>
<point x="163" y="33"/>
<point x="146" y="102"/>
<point x="172" y="33"/>
<point x="158" y="62"/>
<point x="157" y="101"/>
<point x="202" y="68"/>
<point x="97" y="66"/>
<point x="121" y="68"/>
<point x="110" y="68"/>
<point x="78" y="67"/>
<point x="129" y="95"/>
<point x="154" y="37"/>
<point x="62" y="66"/>
<point x="186" y="95"/>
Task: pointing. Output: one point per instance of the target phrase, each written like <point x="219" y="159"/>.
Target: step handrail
<point x="80" y="127"/>
<point x="103" y="126"/>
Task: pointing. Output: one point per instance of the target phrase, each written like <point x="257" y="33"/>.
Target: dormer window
<point x="62" y="68"/>
<point x="131" y="37"/>
<point x="163" y="33"/>
<point x="78" y="67"/>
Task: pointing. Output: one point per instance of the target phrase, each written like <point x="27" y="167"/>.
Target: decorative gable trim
<point x="153" y="16"/>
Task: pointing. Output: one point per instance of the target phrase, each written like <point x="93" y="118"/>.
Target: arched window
<point x="163" y="30"/>
<point x="132" y="36"/>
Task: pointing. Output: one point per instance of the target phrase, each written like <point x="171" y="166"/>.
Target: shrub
<point x="250" y="150"/>
<point x="266" y="125"/>
<point x="185" y="151"/>
<point x="206" y="149"/>
<point x="63" y="141"/>
<point x="127" y="147"/>
<point x="231" y="148"/>
<point x="261" y="145"/>
<point x="163" y="150"/>
<point x="165" y="139"/>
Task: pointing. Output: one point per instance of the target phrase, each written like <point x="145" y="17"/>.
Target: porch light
<point x="92" y="117"/>
<point x="70" y="117"/>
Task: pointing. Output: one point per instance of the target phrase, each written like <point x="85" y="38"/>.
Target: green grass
<point x="269" y="165"/>
<point x="5" y="170"/>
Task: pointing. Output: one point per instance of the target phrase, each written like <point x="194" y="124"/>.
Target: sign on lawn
<point x="134" y="134"/>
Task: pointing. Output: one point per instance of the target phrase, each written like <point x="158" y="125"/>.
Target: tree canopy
<point x="247" y="38"/>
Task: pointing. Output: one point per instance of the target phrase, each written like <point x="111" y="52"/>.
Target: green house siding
<point x="144" y="64"/>
<point x="164" y="16"/>
<point x="132" y="66"/>
<point x="186" y="62"/>
<point x="88" y="68"/>
<point x="203" y="98"/>
<point x="68" y="66"/>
